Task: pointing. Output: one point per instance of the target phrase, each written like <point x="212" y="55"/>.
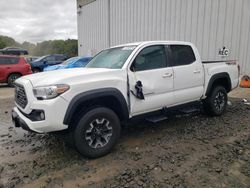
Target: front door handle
<point x="167" y="75"/>
<point x="197" y="71"/>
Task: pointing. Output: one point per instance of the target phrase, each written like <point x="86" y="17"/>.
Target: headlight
<point x="50" y="92"/>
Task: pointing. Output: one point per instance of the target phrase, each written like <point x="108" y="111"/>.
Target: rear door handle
<point x="167" y="75"/>
<point x="197" y="71"/>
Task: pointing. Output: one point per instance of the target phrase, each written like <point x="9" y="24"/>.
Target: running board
<point x="156" y="119"/>
<point x="189" y="110"/>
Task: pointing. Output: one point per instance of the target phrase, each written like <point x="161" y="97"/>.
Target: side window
<point x="14" y="53"/>
<point x="153" y="57"/>
<point x="182" y="55"/>
<point x="50" y="58"/>
<point x="79" y="63"/>
<point x="60" y="58"/>
<point x="9" y="60"/>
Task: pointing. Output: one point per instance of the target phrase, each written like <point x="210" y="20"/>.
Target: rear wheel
<point x="216" y="102"/>
<point x="12" y="78"/>
<point x="97" y="132"/>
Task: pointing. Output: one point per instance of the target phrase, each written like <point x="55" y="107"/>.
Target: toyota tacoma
<point x="118" y="85"/>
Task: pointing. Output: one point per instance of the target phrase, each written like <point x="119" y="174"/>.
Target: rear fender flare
<point x="215" y="77"/>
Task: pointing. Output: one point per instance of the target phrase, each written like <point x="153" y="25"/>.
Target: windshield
<point x="69" y="61"/>
<point x="113" y="58"/>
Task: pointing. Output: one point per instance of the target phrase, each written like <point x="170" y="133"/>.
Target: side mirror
<point x="44" y="62"/>
<point x="132" y="68"/>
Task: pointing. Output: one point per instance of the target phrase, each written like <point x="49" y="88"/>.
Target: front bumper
<point x="28" y="117"/>
<point x="44" y="126"/>
<point x="18" y="122"/>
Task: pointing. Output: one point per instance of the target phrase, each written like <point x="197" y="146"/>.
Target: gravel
<point x="187" y="150"/>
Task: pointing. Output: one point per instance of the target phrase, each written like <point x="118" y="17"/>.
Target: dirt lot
<point x="190" y="150"/>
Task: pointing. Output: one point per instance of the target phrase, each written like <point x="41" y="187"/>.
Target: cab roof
<point x="153" y="42"/>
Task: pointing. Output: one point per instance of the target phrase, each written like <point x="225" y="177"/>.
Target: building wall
<point x="93" y="29"/>
<point x="209" y="24"/>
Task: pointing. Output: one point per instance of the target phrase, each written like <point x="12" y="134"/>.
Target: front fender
<point x="92" y="95"/>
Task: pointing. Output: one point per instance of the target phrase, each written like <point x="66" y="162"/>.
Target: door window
<point x="8" y="60"/>
<point x="60" y="58"/>
<point x="182" y="55"/>
<point x="152" y="57"/>
<point x="50" y="58"/>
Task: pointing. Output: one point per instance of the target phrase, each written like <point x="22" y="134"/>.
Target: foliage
<point x="7" y="41"/>
<point x="68" y="47"/>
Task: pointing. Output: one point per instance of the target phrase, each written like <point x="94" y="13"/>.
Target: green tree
<point x="68" y="47"/>
<point x="7" y="42"/>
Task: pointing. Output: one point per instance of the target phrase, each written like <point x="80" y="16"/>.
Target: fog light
<point x="42" y="116"/>
<point x="35" y="115"/>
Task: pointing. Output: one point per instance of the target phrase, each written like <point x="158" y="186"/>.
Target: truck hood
<point x="65" y="76"/>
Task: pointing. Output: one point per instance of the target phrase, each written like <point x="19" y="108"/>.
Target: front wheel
<point x="12" y="78"/>
<point x="216" y="102"/>
<point x="97" y="132"/>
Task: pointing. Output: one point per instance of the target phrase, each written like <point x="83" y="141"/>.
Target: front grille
<point x="20" y="96"/>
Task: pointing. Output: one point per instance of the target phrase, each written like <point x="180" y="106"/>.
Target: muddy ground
<point x="187" y="150"/>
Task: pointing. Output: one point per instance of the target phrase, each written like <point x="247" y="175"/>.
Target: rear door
<point x="7" y="66"/>
<point x="3" y="69"/>
<point x="150" y="68"/>
<point x="188" y="73"/>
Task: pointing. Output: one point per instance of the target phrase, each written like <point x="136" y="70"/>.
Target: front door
<point x="150" y="69"/>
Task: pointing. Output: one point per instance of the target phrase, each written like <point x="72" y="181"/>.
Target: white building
<point x="209" y="24"/>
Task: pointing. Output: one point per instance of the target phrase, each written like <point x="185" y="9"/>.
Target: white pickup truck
<point x="118" y="85"/>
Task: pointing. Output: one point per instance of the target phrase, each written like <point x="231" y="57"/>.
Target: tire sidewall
<point x="10" y="83"/>
<point x="82" y="125"/>
<point x="212" y="98"/>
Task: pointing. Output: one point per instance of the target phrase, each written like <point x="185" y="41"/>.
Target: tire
<point x="36" y="70"/>
<point x="216" y="102"/>
<point x="97" y="132"/>
<point x="12" y="78"/>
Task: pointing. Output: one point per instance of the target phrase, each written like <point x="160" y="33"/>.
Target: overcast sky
<point x="38" y="20"/>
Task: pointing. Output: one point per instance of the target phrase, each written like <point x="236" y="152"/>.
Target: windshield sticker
<point x="128" y="48"/>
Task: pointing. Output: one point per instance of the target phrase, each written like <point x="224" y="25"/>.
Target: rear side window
<point x="153" y="57"/>
<point x="50" y="58"/>
<point x="60" y="58"/>
<point x="182" y="55"/>
<point x="9" y="60"/>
